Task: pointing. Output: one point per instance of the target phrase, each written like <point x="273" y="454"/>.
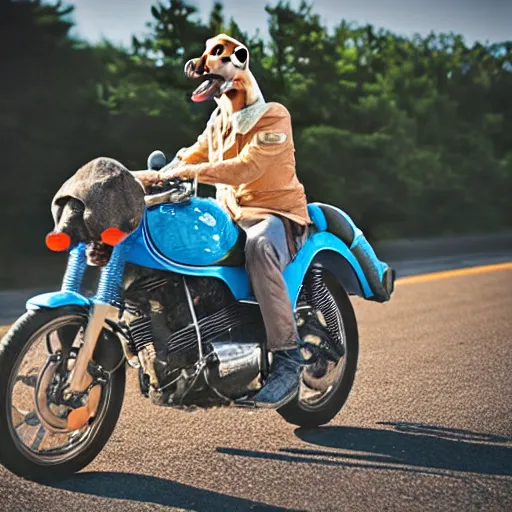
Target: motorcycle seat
<point x="328" y="218"/>
<point x="325" y="218"/>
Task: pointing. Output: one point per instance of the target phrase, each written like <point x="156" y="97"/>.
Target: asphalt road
<point x="428" y="426"/>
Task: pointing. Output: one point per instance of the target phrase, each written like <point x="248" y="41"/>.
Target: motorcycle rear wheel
<point x="306" y="412"/>
<point x="27" y="448"/>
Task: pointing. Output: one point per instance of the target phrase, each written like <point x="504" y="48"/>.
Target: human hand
<point x="183" y="172"/>
<point x="148" y="178"/>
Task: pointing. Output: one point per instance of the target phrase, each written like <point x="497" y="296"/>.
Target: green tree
<point x="411" y="136"/>
<point x="49" y="118"/>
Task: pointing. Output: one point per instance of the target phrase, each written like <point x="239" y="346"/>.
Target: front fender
<point x="333" y="254"/>
<point x="59" y="299"/>
<point x="108" y="353"/>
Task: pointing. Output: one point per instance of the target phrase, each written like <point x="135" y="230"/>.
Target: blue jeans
<point x="267" y="255"/>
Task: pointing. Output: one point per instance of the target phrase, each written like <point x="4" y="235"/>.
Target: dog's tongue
<point x="207" y="90"/>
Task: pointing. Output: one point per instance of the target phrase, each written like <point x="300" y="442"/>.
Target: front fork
<point x="106" y="301"/>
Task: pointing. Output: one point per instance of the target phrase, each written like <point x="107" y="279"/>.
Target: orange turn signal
<point x="113" y="236"/>
<point x="58" y="242"/>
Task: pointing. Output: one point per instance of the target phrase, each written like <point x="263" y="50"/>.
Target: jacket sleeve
<point x="270" y="141"/>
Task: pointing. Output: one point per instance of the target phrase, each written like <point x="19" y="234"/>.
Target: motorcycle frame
<point x="322" y="248"/>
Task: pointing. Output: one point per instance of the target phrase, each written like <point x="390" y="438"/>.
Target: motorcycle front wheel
<point x="29" y="447"/>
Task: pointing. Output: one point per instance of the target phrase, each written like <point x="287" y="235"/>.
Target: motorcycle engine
<point x="161" y="331"/>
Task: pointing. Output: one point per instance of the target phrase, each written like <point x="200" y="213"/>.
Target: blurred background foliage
<point x="411" y="136"/>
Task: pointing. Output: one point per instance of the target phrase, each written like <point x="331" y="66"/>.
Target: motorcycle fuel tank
<point x="197" y="232"/>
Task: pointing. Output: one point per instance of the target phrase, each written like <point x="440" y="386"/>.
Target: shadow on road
<point x="149" y="489"/>
<point x="408" y="447"/>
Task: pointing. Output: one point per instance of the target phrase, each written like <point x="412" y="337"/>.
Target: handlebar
<point x="174" y="190"/>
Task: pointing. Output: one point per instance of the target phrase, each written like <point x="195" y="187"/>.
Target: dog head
<point x="224" y="67"/>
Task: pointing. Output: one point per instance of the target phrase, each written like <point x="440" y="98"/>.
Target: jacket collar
<point x="244" y="120"/>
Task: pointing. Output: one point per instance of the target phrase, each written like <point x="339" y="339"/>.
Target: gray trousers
<point x="267" y="255"/>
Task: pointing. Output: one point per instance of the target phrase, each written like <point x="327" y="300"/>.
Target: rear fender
<point x="330" y="252"/>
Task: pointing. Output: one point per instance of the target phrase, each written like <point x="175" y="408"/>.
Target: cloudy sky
<point x="482" y="20"/>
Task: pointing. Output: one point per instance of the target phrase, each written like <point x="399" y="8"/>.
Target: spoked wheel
<point x="38" y="440"/>
<point x="326" y="383"/>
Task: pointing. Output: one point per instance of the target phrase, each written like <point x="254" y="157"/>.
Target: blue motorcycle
<point x="175" y="303"/>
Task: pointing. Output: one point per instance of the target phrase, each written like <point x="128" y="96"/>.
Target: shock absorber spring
<point x="110" y="285"/>
<point x="75" y="270"/>
<point x="319" y="296"/>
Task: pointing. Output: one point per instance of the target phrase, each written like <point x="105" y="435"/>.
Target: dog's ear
<point x="240" y="57"/>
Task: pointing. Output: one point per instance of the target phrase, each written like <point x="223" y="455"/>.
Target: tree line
<point x="412" y="136"/>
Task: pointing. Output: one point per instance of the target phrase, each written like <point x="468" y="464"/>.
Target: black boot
<point x="282" y="385"/>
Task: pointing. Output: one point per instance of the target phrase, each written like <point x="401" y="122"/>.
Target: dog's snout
<point x="194" y="68"/>
<point x="191" y="68"/>
<point x="200" y="66"/>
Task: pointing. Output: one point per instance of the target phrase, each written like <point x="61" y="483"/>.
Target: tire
<point x="13" y="455"/>
<point x="295" y="412"/>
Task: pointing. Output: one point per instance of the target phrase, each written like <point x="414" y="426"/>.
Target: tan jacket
<point x="258" y="168"/>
